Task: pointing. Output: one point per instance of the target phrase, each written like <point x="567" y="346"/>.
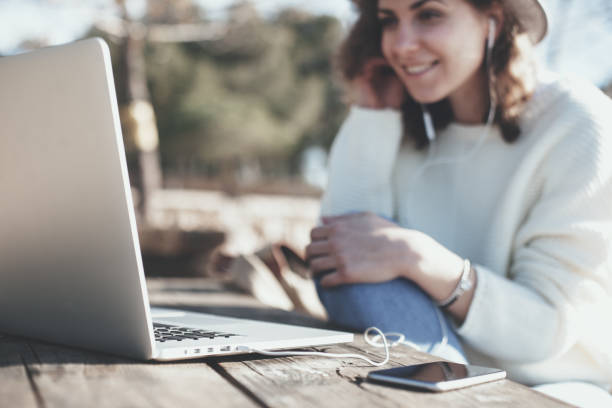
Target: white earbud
<point x="491" y="37"/>
<point x="430" y="130"/>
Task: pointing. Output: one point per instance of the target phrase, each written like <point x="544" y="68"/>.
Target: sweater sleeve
<point x="361" y="163"/>
<point x="558" y="287"/>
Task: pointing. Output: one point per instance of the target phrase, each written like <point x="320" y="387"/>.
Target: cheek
<point x="388" y="52"/>
<point x="470" y="60"/>
<point x="466" y="51"/>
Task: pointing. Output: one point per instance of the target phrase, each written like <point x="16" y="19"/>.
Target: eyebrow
<point x="419" y="3"/>
<point x="413" y="6"/>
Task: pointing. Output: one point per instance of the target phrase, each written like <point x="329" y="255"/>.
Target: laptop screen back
<point x="70" y="266"/>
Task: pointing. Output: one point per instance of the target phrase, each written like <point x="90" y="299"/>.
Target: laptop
<point x="70" y="265"/>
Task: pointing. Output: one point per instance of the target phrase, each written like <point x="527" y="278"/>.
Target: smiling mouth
<point x="418" y="69"/>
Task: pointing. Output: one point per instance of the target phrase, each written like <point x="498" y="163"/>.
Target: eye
<point x="386" y="21"/>
<point x="429" y="15"/>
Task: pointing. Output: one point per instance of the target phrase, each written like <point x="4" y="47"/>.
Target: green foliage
<point x="263" y="92"/>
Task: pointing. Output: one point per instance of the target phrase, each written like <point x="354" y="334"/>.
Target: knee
<point x="362" y="295"/>
<point x="360" y="305"/>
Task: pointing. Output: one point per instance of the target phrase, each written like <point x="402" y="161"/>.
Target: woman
<point x="466" y="181"/>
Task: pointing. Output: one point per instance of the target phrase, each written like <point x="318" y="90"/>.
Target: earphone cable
<point x="332" y="355"/>
<point x="372" y="341"/>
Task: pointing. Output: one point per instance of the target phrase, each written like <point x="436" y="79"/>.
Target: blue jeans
<point x="395" y="306"/>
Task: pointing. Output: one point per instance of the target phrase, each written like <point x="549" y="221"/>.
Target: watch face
<point x="466" y="285"/>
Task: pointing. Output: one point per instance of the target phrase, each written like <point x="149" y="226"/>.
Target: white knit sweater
<point x="534" y="216"/>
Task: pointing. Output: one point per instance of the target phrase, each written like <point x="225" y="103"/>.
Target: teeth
<point x="417" y="69"/>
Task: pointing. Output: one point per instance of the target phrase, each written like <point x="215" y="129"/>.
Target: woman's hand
<point x="378" y="87"/>
<point x="359" y="248"/>
<point x="365" y="248"/>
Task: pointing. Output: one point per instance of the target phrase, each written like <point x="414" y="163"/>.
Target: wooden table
<point x="37" y="374"/>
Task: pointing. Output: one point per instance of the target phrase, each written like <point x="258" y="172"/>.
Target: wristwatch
<point x="465" y="284"/>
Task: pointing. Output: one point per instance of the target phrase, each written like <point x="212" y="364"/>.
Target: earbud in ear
<point x="491" y="37"/>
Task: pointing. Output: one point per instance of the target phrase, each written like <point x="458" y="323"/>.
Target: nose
<point x="406" y="40"/>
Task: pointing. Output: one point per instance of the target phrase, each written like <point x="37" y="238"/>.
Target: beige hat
<point x="531" y="17"/>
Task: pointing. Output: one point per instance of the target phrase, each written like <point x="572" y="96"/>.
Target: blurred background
<point x="228" y="108"/>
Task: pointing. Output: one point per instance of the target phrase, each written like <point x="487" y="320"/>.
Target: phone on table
<point x="437" y="376"/>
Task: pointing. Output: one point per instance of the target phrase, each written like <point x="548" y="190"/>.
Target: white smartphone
<point x="437" y="376"/>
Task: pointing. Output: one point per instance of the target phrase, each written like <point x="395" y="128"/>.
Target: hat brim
<point x="531" y="17"/>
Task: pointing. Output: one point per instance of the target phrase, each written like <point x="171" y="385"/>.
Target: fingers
<point x="366" y="86"/>
<point x="378" y="86"/>
<point x="374" y="64"/>
<point x="344" y="217"/>
<point x="323" y="263"/>
<point x="376" y="71"/>
<point x="317" y="248"/>
<point x="333" y="279"/>
<point x="320" y="233"/>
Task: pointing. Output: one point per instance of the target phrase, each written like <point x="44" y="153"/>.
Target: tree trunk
<point x="138" y="113"/>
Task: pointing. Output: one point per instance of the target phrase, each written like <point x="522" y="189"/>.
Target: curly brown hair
<point x="512" y="72"/>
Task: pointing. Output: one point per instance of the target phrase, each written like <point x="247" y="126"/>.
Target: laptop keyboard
<point x="166" y="332"/>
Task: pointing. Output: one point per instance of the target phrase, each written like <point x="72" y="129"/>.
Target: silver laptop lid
<point x="70" y="265"/>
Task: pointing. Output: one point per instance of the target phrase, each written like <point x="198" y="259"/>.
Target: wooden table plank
<point x="318" y="381"/>
<point x="16" y="389"/>
<point x="68" y="377"/>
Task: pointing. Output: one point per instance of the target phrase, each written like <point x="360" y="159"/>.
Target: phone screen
<point x="438" y="375"/>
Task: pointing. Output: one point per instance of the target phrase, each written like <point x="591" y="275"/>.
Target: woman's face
<point x="436" y="47"/>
